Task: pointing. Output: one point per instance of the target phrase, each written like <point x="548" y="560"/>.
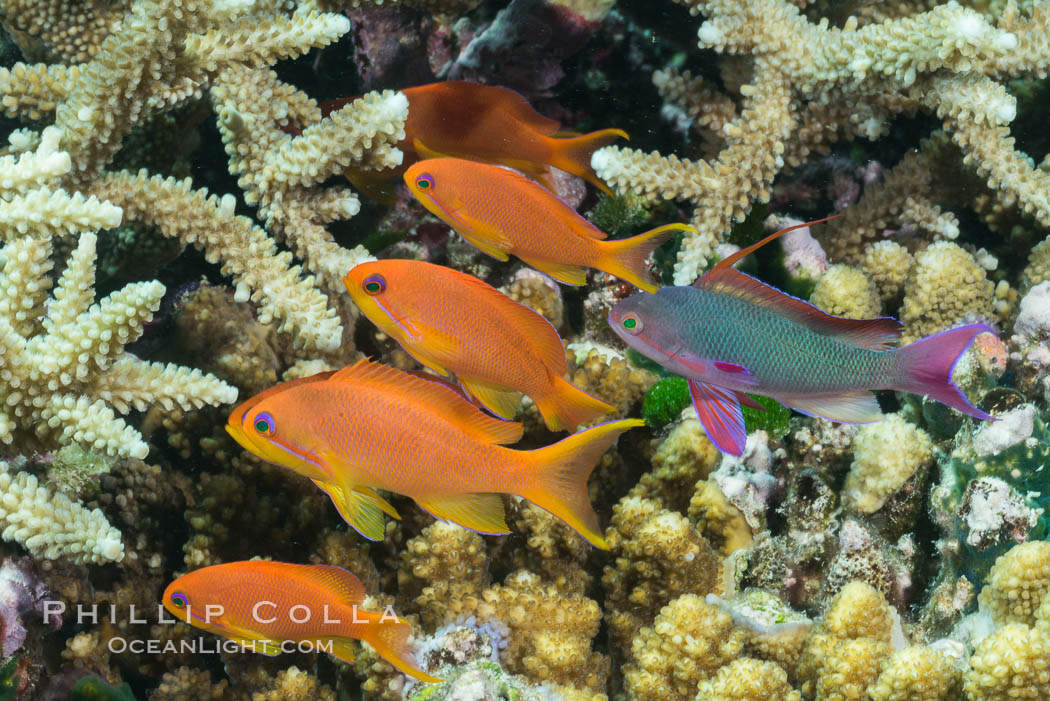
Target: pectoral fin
<point x="362" y="512"/>
<point x="478" y="512"/>
<point x="719" y="411"/>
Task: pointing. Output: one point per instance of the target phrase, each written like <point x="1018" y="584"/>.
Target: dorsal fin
<point x="733" y="259"/>
<point x="437" y="396"/>
<point x="875" y="334"/>
<point x="247" y="404"/>
<point x="881" y="333"/>
<point x="343" y="584"/>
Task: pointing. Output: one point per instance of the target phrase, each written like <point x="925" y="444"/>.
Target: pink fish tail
<point x="566" y="406"/>
<point x="573" y="155"/>
<point x="558" y="474"/>
<point x="926" y="367"/>
<point x="628" y="259"/>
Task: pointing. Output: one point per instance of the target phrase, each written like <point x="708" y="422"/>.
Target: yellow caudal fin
<point x="628" y="259"/>
<point x="568" y="406"/>
<point x="559" y="475"/>
<point x="573" y="155"/>
<point x="389" y="638"/>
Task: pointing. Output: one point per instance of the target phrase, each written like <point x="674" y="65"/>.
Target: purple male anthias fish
<point x="729" y="335"/>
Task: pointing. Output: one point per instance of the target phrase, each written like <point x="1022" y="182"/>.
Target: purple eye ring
<point x="425" y="182"/>
<point x="374" y="284"/>
<point x="264" y="424"/>
<point x="178" y="599"/>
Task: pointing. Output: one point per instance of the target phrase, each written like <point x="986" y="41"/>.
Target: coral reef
<point x="179" y="201"/>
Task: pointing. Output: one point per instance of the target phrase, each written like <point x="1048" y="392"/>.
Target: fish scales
<point x="731" y="335"/>
<point x="778" y="351"/>
<point x="398" y="437"/>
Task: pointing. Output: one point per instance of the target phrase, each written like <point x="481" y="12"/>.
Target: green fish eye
<point x="629" y="323"/>
<point x="424" y="182"/>
<point x="179" y="600"/>
<point x="264" y="424"/>
<point x="632" y="323"/>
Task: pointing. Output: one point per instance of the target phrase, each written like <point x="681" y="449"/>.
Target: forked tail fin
<point x="926" y="367"/>
<point x="627" y="258"/>
<point x="558" y="476"/>
<point x="573" y="155"/>
<point x="389" y="638"/>
<point x="568" y="406"/>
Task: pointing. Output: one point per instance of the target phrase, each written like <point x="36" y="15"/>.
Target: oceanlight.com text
<point x="204" y="646"/>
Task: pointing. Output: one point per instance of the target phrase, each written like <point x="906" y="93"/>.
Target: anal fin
<point x="719" y="411"/>
<point x="562" y="272"/>
<point x="270" y="648"/>
<point x="498" y="400"/>
<point x="855" y="407"/>
<point x="478" y="512"/>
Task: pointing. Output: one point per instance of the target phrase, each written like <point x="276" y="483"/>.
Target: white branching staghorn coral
<point x="30" y="204"/>
<point x="62" y="359"/>
<point x="51" y="525"/>
<point x="282" y="174"/>
<point x="811" y="84"/>
<point x="138" y="59"/>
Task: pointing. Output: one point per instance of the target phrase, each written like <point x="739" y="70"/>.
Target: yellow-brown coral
<point x="1017" y="583"/>
<point x="746" y="679"/>
<point x="687" y="643"/>
<point x="917" y="673"/>
<point x="659" y="556"/>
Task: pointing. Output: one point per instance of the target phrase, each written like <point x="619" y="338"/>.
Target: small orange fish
<point x="486" y="123"/>
<point x="370" y="427"/>
<point x="273" y="607"/>
<point x="502" y="212"/>
<point x="497" y="349"/>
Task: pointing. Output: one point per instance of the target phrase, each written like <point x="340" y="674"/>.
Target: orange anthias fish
<point x="491" y="124"/>
<point x="370" y="427"/>
<point x="273" y="607"/>
<point x="497" y="349"/>
<point x="502" y="213"/>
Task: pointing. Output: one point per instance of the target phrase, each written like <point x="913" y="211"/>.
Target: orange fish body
<point x="491" y="124"/>
<point x="496" y="348"/>
<point x="504" y="213"/>
<point x="267" y="605"/>
<point x="370" y="427"/>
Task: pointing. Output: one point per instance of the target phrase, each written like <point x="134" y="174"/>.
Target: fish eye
<point x="178" y="599"/>
<point x="264" y="424"/>
<point x="374" y="284"/>
<point x="632" y="323"/>
<point x="425" y="182"/>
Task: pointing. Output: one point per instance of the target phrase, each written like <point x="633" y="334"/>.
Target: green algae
<point x="669" y="396"/>
<point x="665" y="401"/>
<point x="95" y="689"/>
